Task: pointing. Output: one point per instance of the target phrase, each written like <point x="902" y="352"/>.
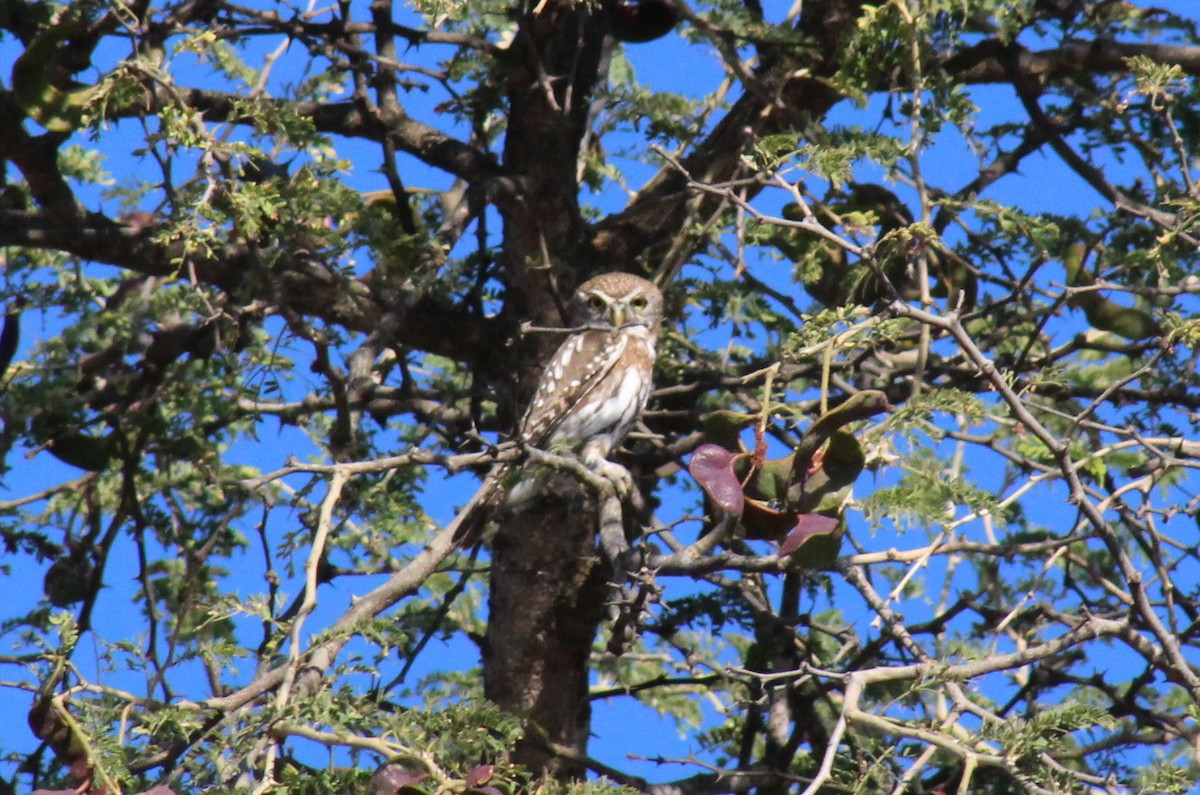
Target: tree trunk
<point x="547" y="599"/>
<point x="547" y="582"/>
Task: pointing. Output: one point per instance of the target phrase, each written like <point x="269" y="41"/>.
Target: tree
<point x="911" y="507"/>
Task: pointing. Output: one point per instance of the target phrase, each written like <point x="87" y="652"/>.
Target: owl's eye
<point x="638" y="303"/>
<point x="595" y="302"/>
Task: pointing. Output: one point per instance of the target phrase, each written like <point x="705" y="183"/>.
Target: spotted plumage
<point x="594" y="388"/>
<point x="591" y="392"/>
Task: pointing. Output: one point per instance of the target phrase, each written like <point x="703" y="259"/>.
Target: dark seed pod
<point x="641" y="20"/>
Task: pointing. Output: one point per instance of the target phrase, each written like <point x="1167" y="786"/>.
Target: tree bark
<point x="547" y="583"/>
<point x="548" y="587"/>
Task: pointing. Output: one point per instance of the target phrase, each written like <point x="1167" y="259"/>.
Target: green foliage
<point x="601" y="786"/>
<point x="1166" y="778"/>
<point x="927" y="494"/>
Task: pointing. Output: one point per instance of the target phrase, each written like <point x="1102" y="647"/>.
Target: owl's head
<point x="618" y="299"/>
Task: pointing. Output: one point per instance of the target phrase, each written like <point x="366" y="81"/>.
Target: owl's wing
<point x="576" y="370"/>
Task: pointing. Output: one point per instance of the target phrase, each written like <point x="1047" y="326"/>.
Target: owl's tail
<point x="473" y="519"/>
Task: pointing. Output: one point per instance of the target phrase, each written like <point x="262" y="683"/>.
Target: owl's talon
<point x="621" y="479"/>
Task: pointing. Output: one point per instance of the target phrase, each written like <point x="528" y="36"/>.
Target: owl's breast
<point x="610" y="408"/>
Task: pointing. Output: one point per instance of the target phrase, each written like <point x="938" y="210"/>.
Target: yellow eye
<point x="638" y="303"/>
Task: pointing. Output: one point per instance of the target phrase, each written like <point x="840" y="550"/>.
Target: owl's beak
<point x="618" y="316"/>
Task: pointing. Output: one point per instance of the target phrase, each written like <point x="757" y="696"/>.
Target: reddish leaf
<point x="761" y="521"/>
<point x="480" y="775"/>
<point x="712" y="467"/>
<point x="394" y="778"/>
<point x="807" y="526"/>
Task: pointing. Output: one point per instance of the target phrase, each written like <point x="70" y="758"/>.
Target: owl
<point x="595" y="386"/>
<point x="591" y="393"/>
